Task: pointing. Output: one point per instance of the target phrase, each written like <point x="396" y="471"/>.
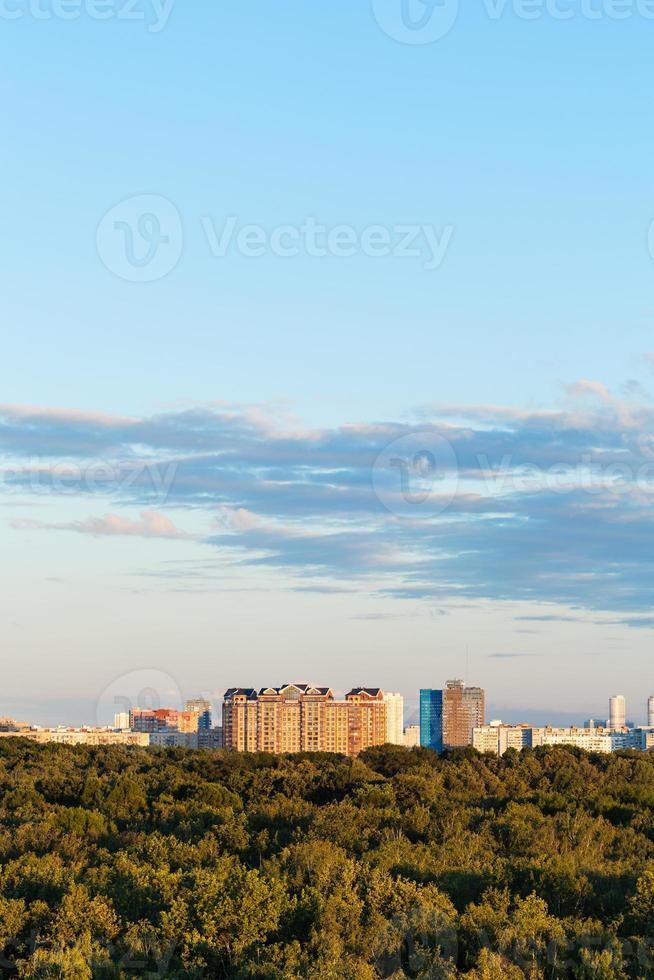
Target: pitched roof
<point x="231" y="692"/>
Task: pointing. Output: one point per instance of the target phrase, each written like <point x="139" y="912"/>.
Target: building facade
<point x="303" y="718"/>
<point x="431" y="719"/>
<point x="617" y="712"/>
<point x="174" y="739"/>
<point x="211" y="738"/>
<point x="81" y="736"/>
<point x="486" y="738"/>
<point x="464" y="709"/>
<point x="498" y="738"/>
<point x="161" y="719"/>
<point x="202" y="707"/>
<point x="448" y="718"/>
<point x="394" y="718"/>
<point x="412" y="736"/>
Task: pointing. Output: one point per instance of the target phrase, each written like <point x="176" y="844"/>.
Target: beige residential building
<point x="303" y="718"/>
<point x="497" y="738"/>
<point x="81" y="736"/>
<point x="591" y="739"/>
<point x="486" y="738"/>
<point x="394" y="718"/>
<point x="412" y="736"/>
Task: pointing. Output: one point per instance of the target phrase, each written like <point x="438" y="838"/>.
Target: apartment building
<point x="161" y="719"/>
<point x="394" y="718"/>
<point x="173" y="739"/>
<point x="303" y="718"/>
<point x="203" y="708"/>
<point x="497" y="738"/>
<point x="412" y="736"/>
<point x="80" y="736"/>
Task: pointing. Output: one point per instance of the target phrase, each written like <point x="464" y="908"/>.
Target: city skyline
<point x="148" y="694"/>
<point x="300" y="718"/>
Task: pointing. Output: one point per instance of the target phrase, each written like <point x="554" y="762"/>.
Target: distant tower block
<point x="617" y="712"/>
<point x="650" y="712"/>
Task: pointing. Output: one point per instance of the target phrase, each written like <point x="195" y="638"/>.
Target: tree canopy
<point x="117" y="863"/>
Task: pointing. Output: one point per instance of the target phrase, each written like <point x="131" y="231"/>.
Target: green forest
<point x="117" y="863"/>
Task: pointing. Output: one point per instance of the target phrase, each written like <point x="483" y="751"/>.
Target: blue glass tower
<point x="431" y="719"/>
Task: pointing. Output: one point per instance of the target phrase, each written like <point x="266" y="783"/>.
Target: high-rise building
<point x="240" y="719"/>
<point x="303" y="718"/>
<point x="204" y="712"/>
<point x="121" y="720"/>
<point x="448" y="718"/>
<point x="617" y="712"/>
<point x="431" y="719"/>
<point x="650" y="712"/>
<point x="463" y="711"/>
<point x="412" y="736"/>
<point x="394" y="718"/>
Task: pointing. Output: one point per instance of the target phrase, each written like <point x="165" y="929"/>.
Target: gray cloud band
<point x="480" y="502"/>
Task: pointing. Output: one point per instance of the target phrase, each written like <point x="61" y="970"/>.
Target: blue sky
<point x="273" y="385"/>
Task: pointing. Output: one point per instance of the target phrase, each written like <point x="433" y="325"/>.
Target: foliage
<point x="117" y="863"/>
